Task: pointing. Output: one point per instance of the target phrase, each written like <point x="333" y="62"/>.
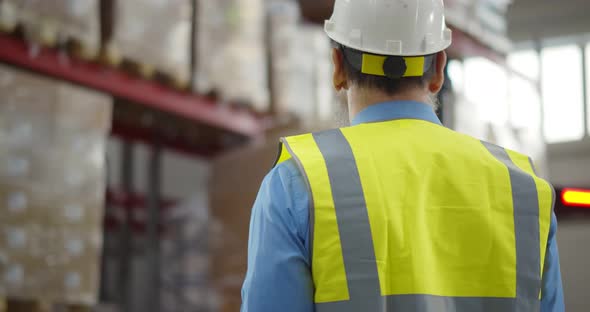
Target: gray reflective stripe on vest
<point x="426" y="303"/>
<point x="353" y="225"/>
<point x="359" y="256"/>
<point x="526" y="229"/>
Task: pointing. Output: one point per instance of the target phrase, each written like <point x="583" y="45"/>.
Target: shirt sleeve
<point x="279" y="275"/>
<point x="552" y="292"/>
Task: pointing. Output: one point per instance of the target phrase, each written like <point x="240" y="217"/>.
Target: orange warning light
<point x="576" y="197"/>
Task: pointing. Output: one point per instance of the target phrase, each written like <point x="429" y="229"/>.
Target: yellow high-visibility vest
<point x="410" y="216"/>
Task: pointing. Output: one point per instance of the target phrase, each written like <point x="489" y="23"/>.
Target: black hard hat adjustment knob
<point x="394" y="67"/>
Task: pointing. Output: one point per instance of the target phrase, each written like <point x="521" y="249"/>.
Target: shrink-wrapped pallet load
<point x="484" y="19"/>
<point x="283" y="22"/>
<point x="154" y="34"/>
<point x="231" y="52"/>
<point x="51" y="22"/>
<point x="52" y="182"/>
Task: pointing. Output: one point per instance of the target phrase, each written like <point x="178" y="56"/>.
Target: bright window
<point x="525" y="103"/>
<point x="562" y="93"/>
<point x="455" y="70"/>
<point x="526" y="62"/>
<point x="486" y="85"/>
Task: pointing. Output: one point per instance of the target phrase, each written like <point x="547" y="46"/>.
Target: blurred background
<point x="134" y="135"/>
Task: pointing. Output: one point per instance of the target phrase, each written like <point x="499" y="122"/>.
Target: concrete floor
<point x="574" y="250"/>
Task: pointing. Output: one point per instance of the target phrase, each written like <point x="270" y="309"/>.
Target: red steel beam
<point x="122" y="85"/>
<point x="117" y="202"/>
<point x="147" y="136"/>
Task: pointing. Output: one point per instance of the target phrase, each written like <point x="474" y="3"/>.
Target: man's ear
<point x="438" y="78"/>
<point x="340" y="78"/>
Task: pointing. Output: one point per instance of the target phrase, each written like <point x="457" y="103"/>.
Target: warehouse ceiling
<point x="543" y="19"/>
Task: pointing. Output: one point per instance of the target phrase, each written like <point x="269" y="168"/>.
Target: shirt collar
<point x="396" y="110"/>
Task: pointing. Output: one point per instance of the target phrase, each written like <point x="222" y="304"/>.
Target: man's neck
<point x="362" y="98"/>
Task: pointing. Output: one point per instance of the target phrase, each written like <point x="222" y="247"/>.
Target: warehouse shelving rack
<point x="151" y="113"/>
<point x="233" y="125"/>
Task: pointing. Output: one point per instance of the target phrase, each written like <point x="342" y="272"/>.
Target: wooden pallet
<point x="20" y="305"/>
<point x="112" y="56"/>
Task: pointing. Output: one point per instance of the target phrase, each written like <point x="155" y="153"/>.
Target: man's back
<point x="410" y="215"/>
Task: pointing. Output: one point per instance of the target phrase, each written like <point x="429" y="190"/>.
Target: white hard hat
<point x="390" y="27"/>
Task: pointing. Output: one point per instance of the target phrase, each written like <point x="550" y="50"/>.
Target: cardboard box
<point x="155" y="33"/>
<point x="51" y="263"/>
<point x="52" y="21"/>
<point x="231" y="53"/>
<point x="52" y="187"/>
<point x="19" y="204"/>
<point x="283" y="18"/>
<point x="234" y="184"/>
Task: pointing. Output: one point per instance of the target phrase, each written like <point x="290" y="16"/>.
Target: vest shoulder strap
<point x="291" y="146"/>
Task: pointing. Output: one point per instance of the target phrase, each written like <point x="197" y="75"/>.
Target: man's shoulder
<point x="287" y="169"/>
<point x="288" y="192"/>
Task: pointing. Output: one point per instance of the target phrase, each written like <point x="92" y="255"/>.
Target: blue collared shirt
<point x="279" y="255"/>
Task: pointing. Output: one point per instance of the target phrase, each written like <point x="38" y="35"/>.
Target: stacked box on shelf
<point x="301" y="66"/>
<point x="50" y="22"/>
<point x="154" y="34"/>
<point x="501" y="6"/>
<point x="492" y="15"/>
<point x="231" y="52"/>
<point x="493" y="23"/>
<point x="283" y="19"/>
<point x="483" y="19"/>
<point x="52" y="143"/>
<point x="315" y="101"/>
<point x="459" y="13"/>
